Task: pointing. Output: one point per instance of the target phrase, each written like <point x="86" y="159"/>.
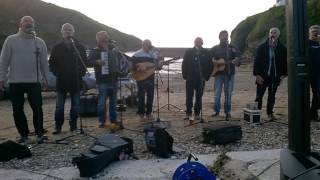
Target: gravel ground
<point x="269" y="135"/>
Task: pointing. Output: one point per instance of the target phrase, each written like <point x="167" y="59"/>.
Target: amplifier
<point x="252" y="116"/>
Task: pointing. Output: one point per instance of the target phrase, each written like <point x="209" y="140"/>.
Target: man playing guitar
<point x="144" y="62"/>
<point x="225" y="57"/>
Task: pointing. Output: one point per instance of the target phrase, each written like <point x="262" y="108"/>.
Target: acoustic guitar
<point x="220" y="65"/>
<point x="143" y="70"/>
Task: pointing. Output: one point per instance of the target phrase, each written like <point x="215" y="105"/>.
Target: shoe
<point x="23" y="139"/>
<point x="56" y="131"/>
<point x="271" y="117"/>
<point x="215" y="115"/>
<point x="149" y="117"/>
<point x="141" y="117"/>
<point x="191" y="121"/>
<point x="188" y="117"/>
<point x="40" y="139"/>
<point x="72" y="129"/>
<point x="114" y="127"/>
<point x="197" y="117"/>
<point x="102" y="125"/>
<point x="228" y="117"/>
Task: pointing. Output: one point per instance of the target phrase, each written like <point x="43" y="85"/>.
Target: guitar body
<point x="218" y="66"/>
<point x="143" y="70"/>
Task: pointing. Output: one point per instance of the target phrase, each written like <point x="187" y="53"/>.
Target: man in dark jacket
<point x="229" y="56"/>
<point x="270" y="67"/>
<point x="196" y="69"/>
<point x="101" y="58"/>
<point x="69" y="69"/>
<point x="314" y="60"/>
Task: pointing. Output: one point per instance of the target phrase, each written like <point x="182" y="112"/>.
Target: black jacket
<point x="261" y="60"/>
<point x="220" y="51"/>
<point x="314" y="60"/>
<point x="94" y="55"/>
<point x="66" y="66"/>
<point x="190" y="66"/>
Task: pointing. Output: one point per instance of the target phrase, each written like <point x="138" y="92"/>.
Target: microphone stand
<point x="38" y="108"/>
<point x="79" y="58"/>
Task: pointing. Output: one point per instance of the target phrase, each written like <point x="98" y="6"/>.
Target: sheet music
<point x="105" y="67"/>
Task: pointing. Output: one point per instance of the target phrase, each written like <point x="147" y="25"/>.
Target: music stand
<point x="168" y="105"/>
<point x="158" y="122"/>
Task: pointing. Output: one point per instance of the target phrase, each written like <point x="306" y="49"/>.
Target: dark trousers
<point x="33" y="91"/>
<point x="74" y="110"/>
<point x="272" y="86"/>
<point x="315" y="86"/>
<point x="145" y="87"/>
<point x="192" y="86"/>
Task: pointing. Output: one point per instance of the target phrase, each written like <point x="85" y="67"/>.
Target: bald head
<point x="67" y="30"/>
<point x="27" y="24"/>
<point x="198" y="42"/>
<point x="146" y="45"/>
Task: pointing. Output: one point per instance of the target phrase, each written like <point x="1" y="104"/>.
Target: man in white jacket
<point x="23" y="63"/>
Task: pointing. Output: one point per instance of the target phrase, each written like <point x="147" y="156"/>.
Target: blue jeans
<point x="74" y="110"/>
<point x="227" y="82"/>
<point x="107" y="90"/>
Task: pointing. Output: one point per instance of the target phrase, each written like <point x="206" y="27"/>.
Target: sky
<point x="169" y="23"/>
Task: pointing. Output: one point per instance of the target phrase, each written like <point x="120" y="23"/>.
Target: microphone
<point x="71" y="39"/>
<point x="33" y="33"/>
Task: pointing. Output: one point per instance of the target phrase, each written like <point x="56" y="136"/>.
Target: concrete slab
<point x="155" y="169"/>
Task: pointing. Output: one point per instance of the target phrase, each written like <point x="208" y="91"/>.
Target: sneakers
<point x="141" y="116"/>
<point x="114" y="127"/>
<point x="188" y="117"/>
<point x="197" y="117"/>
<point x="40" y="139"/>
<point x="23" y="139"/>
<point x="215" y="115"/>
<point x="228" y="117"/>
<point x="271" y="117"/>
<point x="56" y="131"/>
<point x="72" y="129"/>
<point x="102" y="125"/>
<point x="149" y="117"/>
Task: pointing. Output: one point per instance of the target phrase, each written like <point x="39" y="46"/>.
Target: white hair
<point x="67" y="24"/>
<point x="275" y="29"/>
<point x="99" y="33"/>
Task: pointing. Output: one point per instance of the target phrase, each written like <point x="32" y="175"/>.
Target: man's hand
<point x="100" y="62"/>
<point x="236" y="61"/>
<point x="259" y="80"/>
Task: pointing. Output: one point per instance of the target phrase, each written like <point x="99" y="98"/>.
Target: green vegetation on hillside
<point x="49" y="19"/>
<point x="253" y="30"/>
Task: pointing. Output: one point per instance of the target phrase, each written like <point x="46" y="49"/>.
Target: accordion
<point x="116" y="63"/>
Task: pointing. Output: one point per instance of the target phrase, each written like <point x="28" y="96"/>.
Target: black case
<point x="105" y="150"/>
<point x="88" y="105"/>
<point x="221" y="133"/>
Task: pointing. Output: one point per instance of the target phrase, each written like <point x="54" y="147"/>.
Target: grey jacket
<point x="18" y="59"/>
